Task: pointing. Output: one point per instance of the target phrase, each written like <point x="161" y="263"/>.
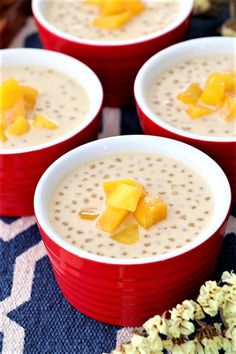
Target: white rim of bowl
<point x="163" y="56"/>
<point x="53" y="57"/>
<point x="186" y="10"/>
<point x="172" y="148"/>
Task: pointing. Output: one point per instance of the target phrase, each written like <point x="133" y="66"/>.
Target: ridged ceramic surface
<point x="224" y="153"/>
<point x="127" y="295"/>
<point x="20" y="172"/>
<point x="116" y="66"/>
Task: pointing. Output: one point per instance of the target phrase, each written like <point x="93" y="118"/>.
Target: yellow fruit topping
<point x="191" y="94"/>
<point x="218" y="95"/>
<point x="40" y="120"/>
<point x="109" y="186"/>
<point x="10" y="93"/>
<point x="112" y="22"/>
<point x="214" y="90"/>
<point x="3" y="136"/>
<point x="111" y="218"/>
<point x="128" y="235"/>
<point x="229" y="108"/>
<point x="196" y="111"/>
<point x="88" y="214"/>
<point x="19" y="127"/>
<point x="30" y="95"/>
<point x="124" y="197"/>
<point x="127" y="197"/>
<point x="150" y="210"/>
<point x="16" y="103"/>
<point x="115" y="13"/>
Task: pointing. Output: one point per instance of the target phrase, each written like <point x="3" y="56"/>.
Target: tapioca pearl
<point x="183" y="217"/>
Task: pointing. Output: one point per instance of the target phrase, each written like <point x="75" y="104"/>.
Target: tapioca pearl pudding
<point x="60" y="97"/>
<point x="162" y="95"/>
<point x="188" y="196"/>
<point x="75" y="18"/>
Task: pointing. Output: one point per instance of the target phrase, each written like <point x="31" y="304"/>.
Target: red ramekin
<point x="127" y="292"/>
<point x="115" y="63"/>
<point x="20" y="169"/>
<point x="221" y="149"/>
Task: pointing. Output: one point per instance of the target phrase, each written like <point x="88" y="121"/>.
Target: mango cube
<point x="111" y="218"/>
<point x="109" y="186"/>
<point x="150" y="210"/>
<point x="19" y="127"/>
<point x="30" y="95"/>
<point x="229" y="81"/>
<point x="88" y="214"/>
<point x="229" y="108"/>
<point x="124" y="197"/>
<point x="214" y="90"/>
<point x="128" y="235"/>
<point x="3" y="136"/>
<point x="113" y="7"/>
<point x="112" y="22"/>
<point x="191" y="94"/>
<point x="10" y="92"/>
<point x="135" y="7"/>
<point x="196" y="111"/>
<point x="42" y="121"/>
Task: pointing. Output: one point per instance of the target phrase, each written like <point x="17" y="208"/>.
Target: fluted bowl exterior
<point x="116" y="64"/>
<point x="127" y="292"/>
<point x="222" y="150"/>
<point x="20" y="169"/>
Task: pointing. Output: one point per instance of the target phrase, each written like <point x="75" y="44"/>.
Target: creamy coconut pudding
<point x="76" y="18"/>
<point x="60" y="99"/>
<point x="187" y="195"/>
<point x="166" y="88"/>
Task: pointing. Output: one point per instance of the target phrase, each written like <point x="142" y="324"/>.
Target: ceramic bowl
<point x="221" y="149"/>
<point x="21" y="168"/>
<point x="127" y="292"/>
<point x="116" y="64"/>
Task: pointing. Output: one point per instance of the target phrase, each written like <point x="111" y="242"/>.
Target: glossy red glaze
<point x="224" y="153"/>
<point x="127" y="295"/>
<point x="115" y="65"/>
<point x="20" y="172"/>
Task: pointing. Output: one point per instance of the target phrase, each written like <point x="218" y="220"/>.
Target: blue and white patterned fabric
<point x="34" y="316"/>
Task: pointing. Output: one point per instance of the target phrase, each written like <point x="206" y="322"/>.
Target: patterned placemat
<point x="34" y="316"/>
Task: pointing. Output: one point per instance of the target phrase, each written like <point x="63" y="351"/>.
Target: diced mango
<point x="128" y="235"/>
<point x="113" y="7"/>
<point x="19" y="127"/>
<point x="10" y="93"/>
<point x="3" y="121"/>
<point x="196" y="111"/>
<point x="214" y="90"/>
<point x="88" y="214"/>
<point x="228" y="108"/>
<point x="40" y="120"/>
<point x="136" y="7"/>
<point x="109" y="186"/>
<point x="29" y="95"/>
<point x="191" y="94"/>
<point x="229" y="81"/>
<point x="3" y="136"/>
<point x="112" y="22"/>
<point x="124" y="197"/>
<point x="18" y="109"/>
<point x="110" y="219"/>
<point x="150" y="210"/>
